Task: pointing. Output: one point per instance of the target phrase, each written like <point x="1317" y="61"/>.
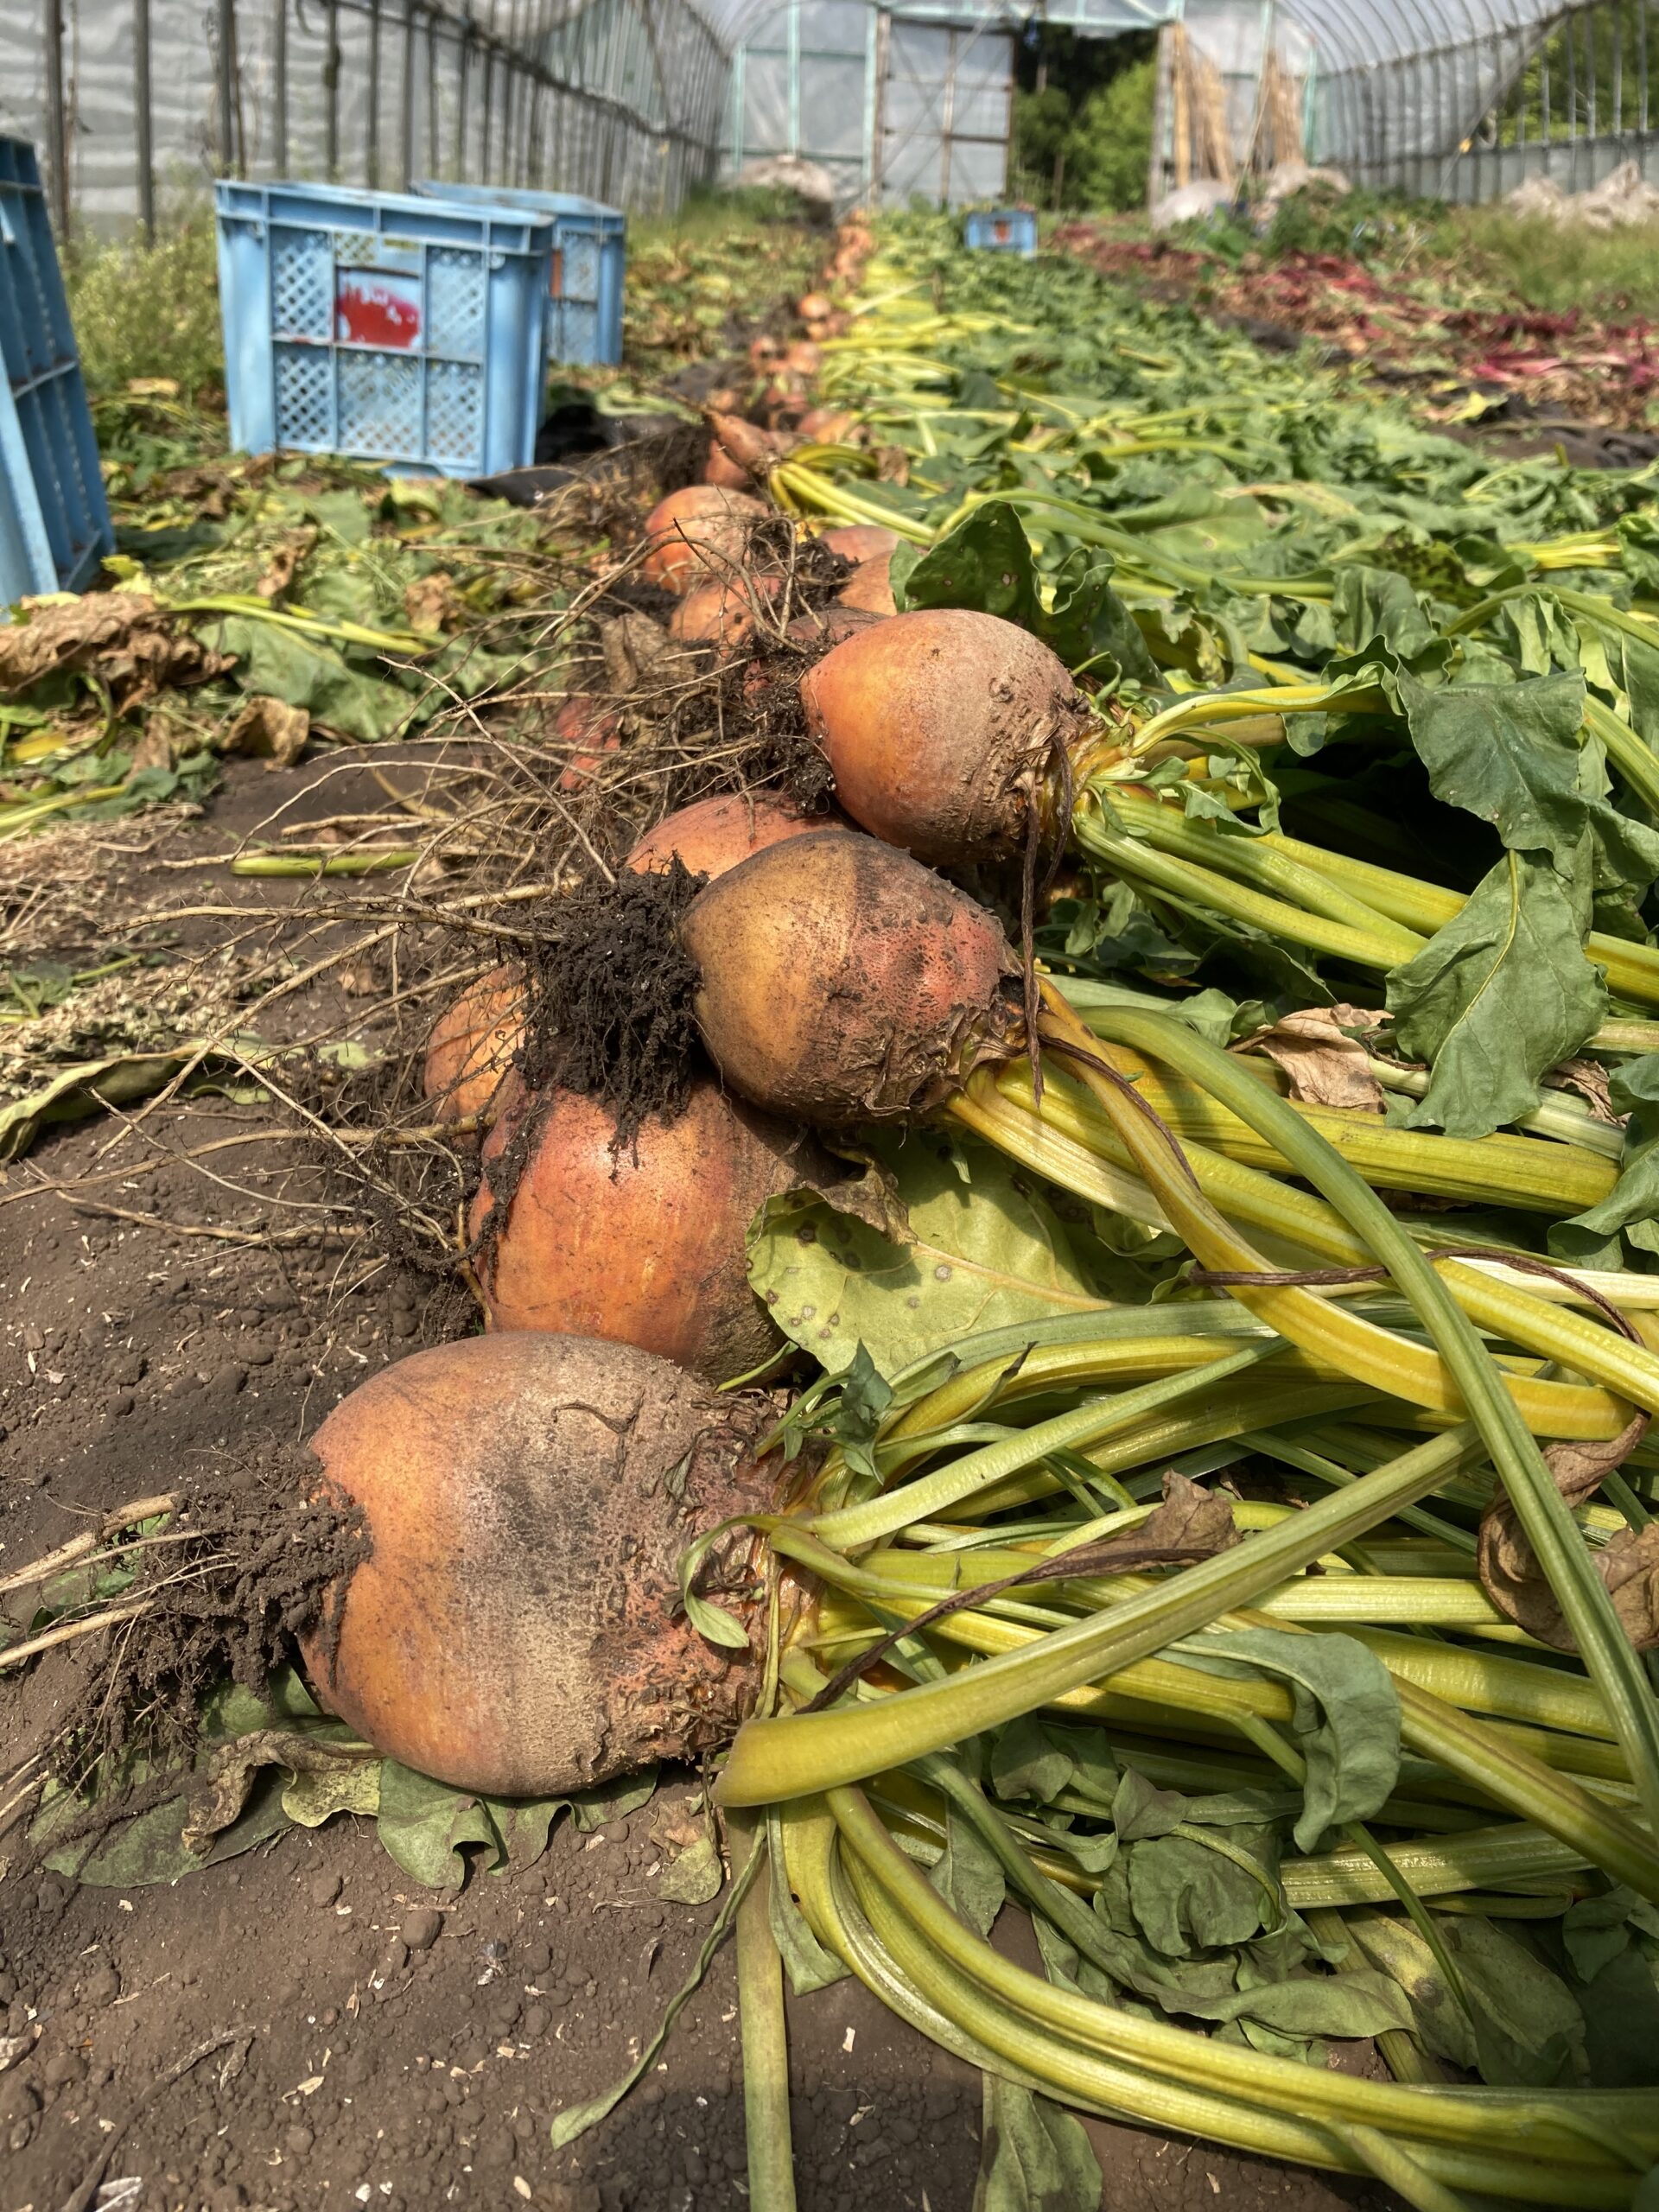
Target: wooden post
<point x="143" y="120"/>
<point x="225" y="17"/>
<point x="1159" y="120"/>
<point x="57" y="121"/>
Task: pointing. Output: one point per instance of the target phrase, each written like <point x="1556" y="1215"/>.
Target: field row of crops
<point x="1076" y="919"/>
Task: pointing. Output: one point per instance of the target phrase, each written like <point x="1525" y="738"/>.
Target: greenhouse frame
<point x="637" y="101"/>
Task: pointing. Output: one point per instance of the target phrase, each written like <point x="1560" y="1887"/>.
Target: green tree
<point x="1109" y="144"/>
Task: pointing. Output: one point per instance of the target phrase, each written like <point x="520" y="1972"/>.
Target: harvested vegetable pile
<point x="1193" y="1104"/>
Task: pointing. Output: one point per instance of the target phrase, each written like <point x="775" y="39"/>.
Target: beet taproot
<point x="716" y="833"/>
<point x="819" y="627"/>
<point x="641" y="1245"/>
<point x="829" y="426"/>
<point x="698" y="535"/>
<point x="516" y="1627"/>
<point x="942" y="728"/>
<point x="722" y="614"/>
<point x="472" y="1045"/>
<point x="869" y="587"/>
<point x="842" y="981"/>
<point x="859" y="542"/>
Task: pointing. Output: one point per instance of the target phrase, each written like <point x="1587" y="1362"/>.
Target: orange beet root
<point x="722" y="615"/>
<point x="942" y="726"/>
<point x="472" y="1045"/>
<point x="698" y="535"/>
<point x="716" y="833"/>
<point x="870" y="587"/>
<point x="859" y="542"/>
<point x="515" y="1626"/>
<point x="641" y="1246"/>
<point x="843" y="982"/>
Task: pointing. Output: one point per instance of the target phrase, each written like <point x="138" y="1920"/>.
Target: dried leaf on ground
<point x="137" y="647"/>
<point x="232" y="1770"/>
<point x="1588" y="1080"/>
<point x="270" y="729"/>
<point x="285" y="563"/>
<point x="636" y="649"/>
<point x="432" y="603"/>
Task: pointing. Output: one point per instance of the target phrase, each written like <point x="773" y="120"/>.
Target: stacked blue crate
<point x="54" y="520"/>
<point x="383" y="327"/>
<point x="584" y="326"/>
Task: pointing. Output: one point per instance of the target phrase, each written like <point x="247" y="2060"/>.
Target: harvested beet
<point x="859" y="542"/>
<point x="472" y="1045"/>
<point x="827" y="426"/>
<point x="715" y="834"/>
<point x="722" y="614"/>
<point x="842" y="982"/>
<point x="699" y="535"/>
<point x="641" y="1242"/>
<point x="516" y="1627"/>
<point x="869" y="587"/>
<point x="594" y="727"/>
<point x="721" y="469"/>
<point x="942" y="727"/>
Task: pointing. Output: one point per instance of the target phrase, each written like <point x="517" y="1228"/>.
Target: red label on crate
<point x="373" y="308"/>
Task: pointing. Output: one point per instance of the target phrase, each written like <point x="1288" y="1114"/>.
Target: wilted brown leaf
<point x="1191" y="1519"/>
<point x="69" y="633"/>
<point x="1629" y="1565"/>
<point x="231" y="1770"/>
<point x="432" y="603"/>
<point x="285" y="563"/>
<point x="154" y="749"/>
<point x="635" y="648"/>
<point x="1589" y="1079"/>
<point x="1323" y="1066"/>
<point x="269" y="729"/>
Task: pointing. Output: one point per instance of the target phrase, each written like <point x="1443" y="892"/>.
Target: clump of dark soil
<point x="611" y="997"/>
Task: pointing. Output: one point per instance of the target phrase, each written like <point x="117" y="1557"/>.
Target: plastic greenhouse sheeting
<point x="619" y="98"/>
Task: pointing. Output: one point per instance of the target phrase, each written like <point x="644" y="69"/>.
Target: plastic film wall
<point x="623" y="99"/>
<point x="894" y="105"/>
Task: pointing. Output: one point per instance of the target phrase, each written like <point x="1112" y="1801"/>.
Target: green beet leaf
<point x="971" y="1244"/>
<point x="1346" y="1718"/>
<point x="1034" y="2156"/>
<point x="1502" y="993"/>
<point x="1631" y="1207"/>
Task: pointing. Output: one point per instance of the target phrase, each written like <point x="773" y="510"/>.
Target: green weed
<point x="144" y="311"/>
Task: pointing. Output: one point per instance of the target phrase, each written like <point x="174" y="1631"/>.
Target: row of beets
<point x="529" y="1494"/>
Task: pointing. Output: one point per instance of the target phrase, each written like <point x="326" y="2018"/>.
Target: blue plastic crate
<point x="54" y="520"/>
<point x="384" y="326"/>
<point x="1001" y="230"/>
<point x="590" y="247"/>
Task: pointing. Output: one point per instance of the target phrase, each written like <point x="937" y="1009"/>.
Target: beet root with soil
<point x="640" y="1242"/>
<point x="526" y="1498"/>
<point x="841" y="982"/>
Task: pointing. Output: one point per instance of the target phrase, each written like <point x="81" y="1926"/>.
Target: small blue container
<point x="383" y="327"/>
<point x="54" y="519"/>
<point x="590" y="247"/>
<point x="1001" y="230"/>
